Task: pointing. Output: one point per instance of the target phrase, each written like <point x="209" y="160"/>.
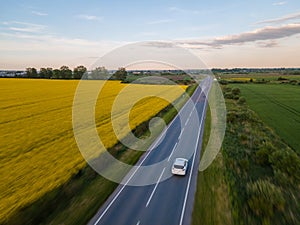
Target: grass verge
<point x="211" y="205"/>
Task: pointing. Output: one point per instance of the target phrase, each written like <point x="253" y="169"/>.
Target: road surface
<point x="170" y="200"/>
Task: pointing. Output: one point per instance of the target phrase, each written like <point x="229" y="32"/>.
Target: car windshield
<point x="178" y="166"/>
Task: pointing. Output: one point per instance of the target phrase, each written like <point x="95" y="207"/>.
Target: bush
<point x="228" y="95"/>
<point x="231" y="117"/>
<point x="223" y="82"/>
<point x="236" y="91"/>
<point x="243" y="137"/>
<point x="286" y="161"/>
<point x="294" y="82"/>
<point x="236" y="97"/>
<point x="244" y="163"/>
<point x="282" y="178"/>
<point x="241" y="100"/>
<point x="227" y="89"/>
<point x="245" y="116"/>
<point x="262" y="156"/>
<point x="264" y="197"/>
<point x="282" y="78"/>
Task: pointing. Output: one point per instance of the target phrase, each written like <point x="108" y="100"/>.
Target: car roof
<point x="180" y="161"/>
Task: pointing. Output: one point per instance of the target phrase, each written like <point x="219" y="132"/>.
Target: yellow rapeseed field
<point x="38" y="151"/>
<point x="242" y="79"/>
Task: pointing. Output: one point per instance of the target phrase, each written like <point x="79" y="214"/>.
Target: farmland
<point x="262" y="171"/>
<point x="278" y="106"/>
<point x="255" y="178"/>
<point x="38" y="151"/>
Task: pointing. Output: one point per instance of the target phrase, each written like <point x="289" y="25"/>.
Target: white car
<point x="180" y="166"/>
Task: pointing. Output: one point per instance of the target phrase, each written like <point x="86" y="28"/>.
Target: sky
<point x="223" y="34"/>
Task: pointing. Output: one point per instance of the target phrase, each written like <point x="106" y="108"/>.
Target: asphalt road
<point x="170" y="199"/>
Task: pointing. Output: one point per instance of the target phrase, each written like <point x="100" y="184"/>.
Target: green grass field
<point x="262" y="171"/>
<point x="258" y="76"/>
<point x="278" y="106"/>
<point x="255" y="170"/>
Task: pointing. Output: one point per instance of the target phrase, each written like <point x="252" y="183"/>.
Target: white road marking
<point x="155" y="187"/>
<point x="190" y="176"/>
<point x="117" y="195"/>
<point x="150" y="150"/>
<point x="181" y="133"/>
<point x="172" y="151"/>
<point x="187" y="121"/>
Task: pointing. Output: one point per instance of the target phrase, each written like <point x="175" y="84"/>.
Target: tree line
<point x="64" y="72"/>
<point x="79" y="72"/>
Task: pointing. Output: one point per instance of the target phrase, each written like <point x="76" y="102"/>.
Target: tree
<point x="46" y="73"/>
<point x="43" y="73"/>
<point x="31" y="72"/>
<point x="120" y="74"/>
<point x="65" y="73"/>
<point x="78" y="72"/>
<point x="49" y="73"/>
<point x="99" y="73"/>
<point x="56" y="74"/>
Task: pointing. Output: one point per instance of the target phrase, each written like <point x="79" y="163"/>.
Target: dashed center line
<point x="187" y="121"/>
<point x="155" y="187"/>
<point x="192" y="166"/>
<point x="160" y="177"/>
<point x="181" y="133"/>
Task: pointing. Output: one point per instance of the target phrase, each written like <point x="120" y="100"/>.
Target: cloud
<point x="268" y="44"/>
<point x="48" y="41"/>
<point x="279" y="3"/>
<point x="282" y="19"/>
<point x="263" y="34"/>
<point x="39" y="13"/>
<point x="159" y="44"/>
<point x="24" y="27"/>
<point x="147" y="34"/>
<point x="39" y="50"/>
<point x="180" y="10"/>
<point x="175" y="9"/>
<point x="160" y="21"/>
<point x="51" y="39"/>
<point x="266" y="33"/>
<point x="36" y="37"/>
<point x="90" y="17"/>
